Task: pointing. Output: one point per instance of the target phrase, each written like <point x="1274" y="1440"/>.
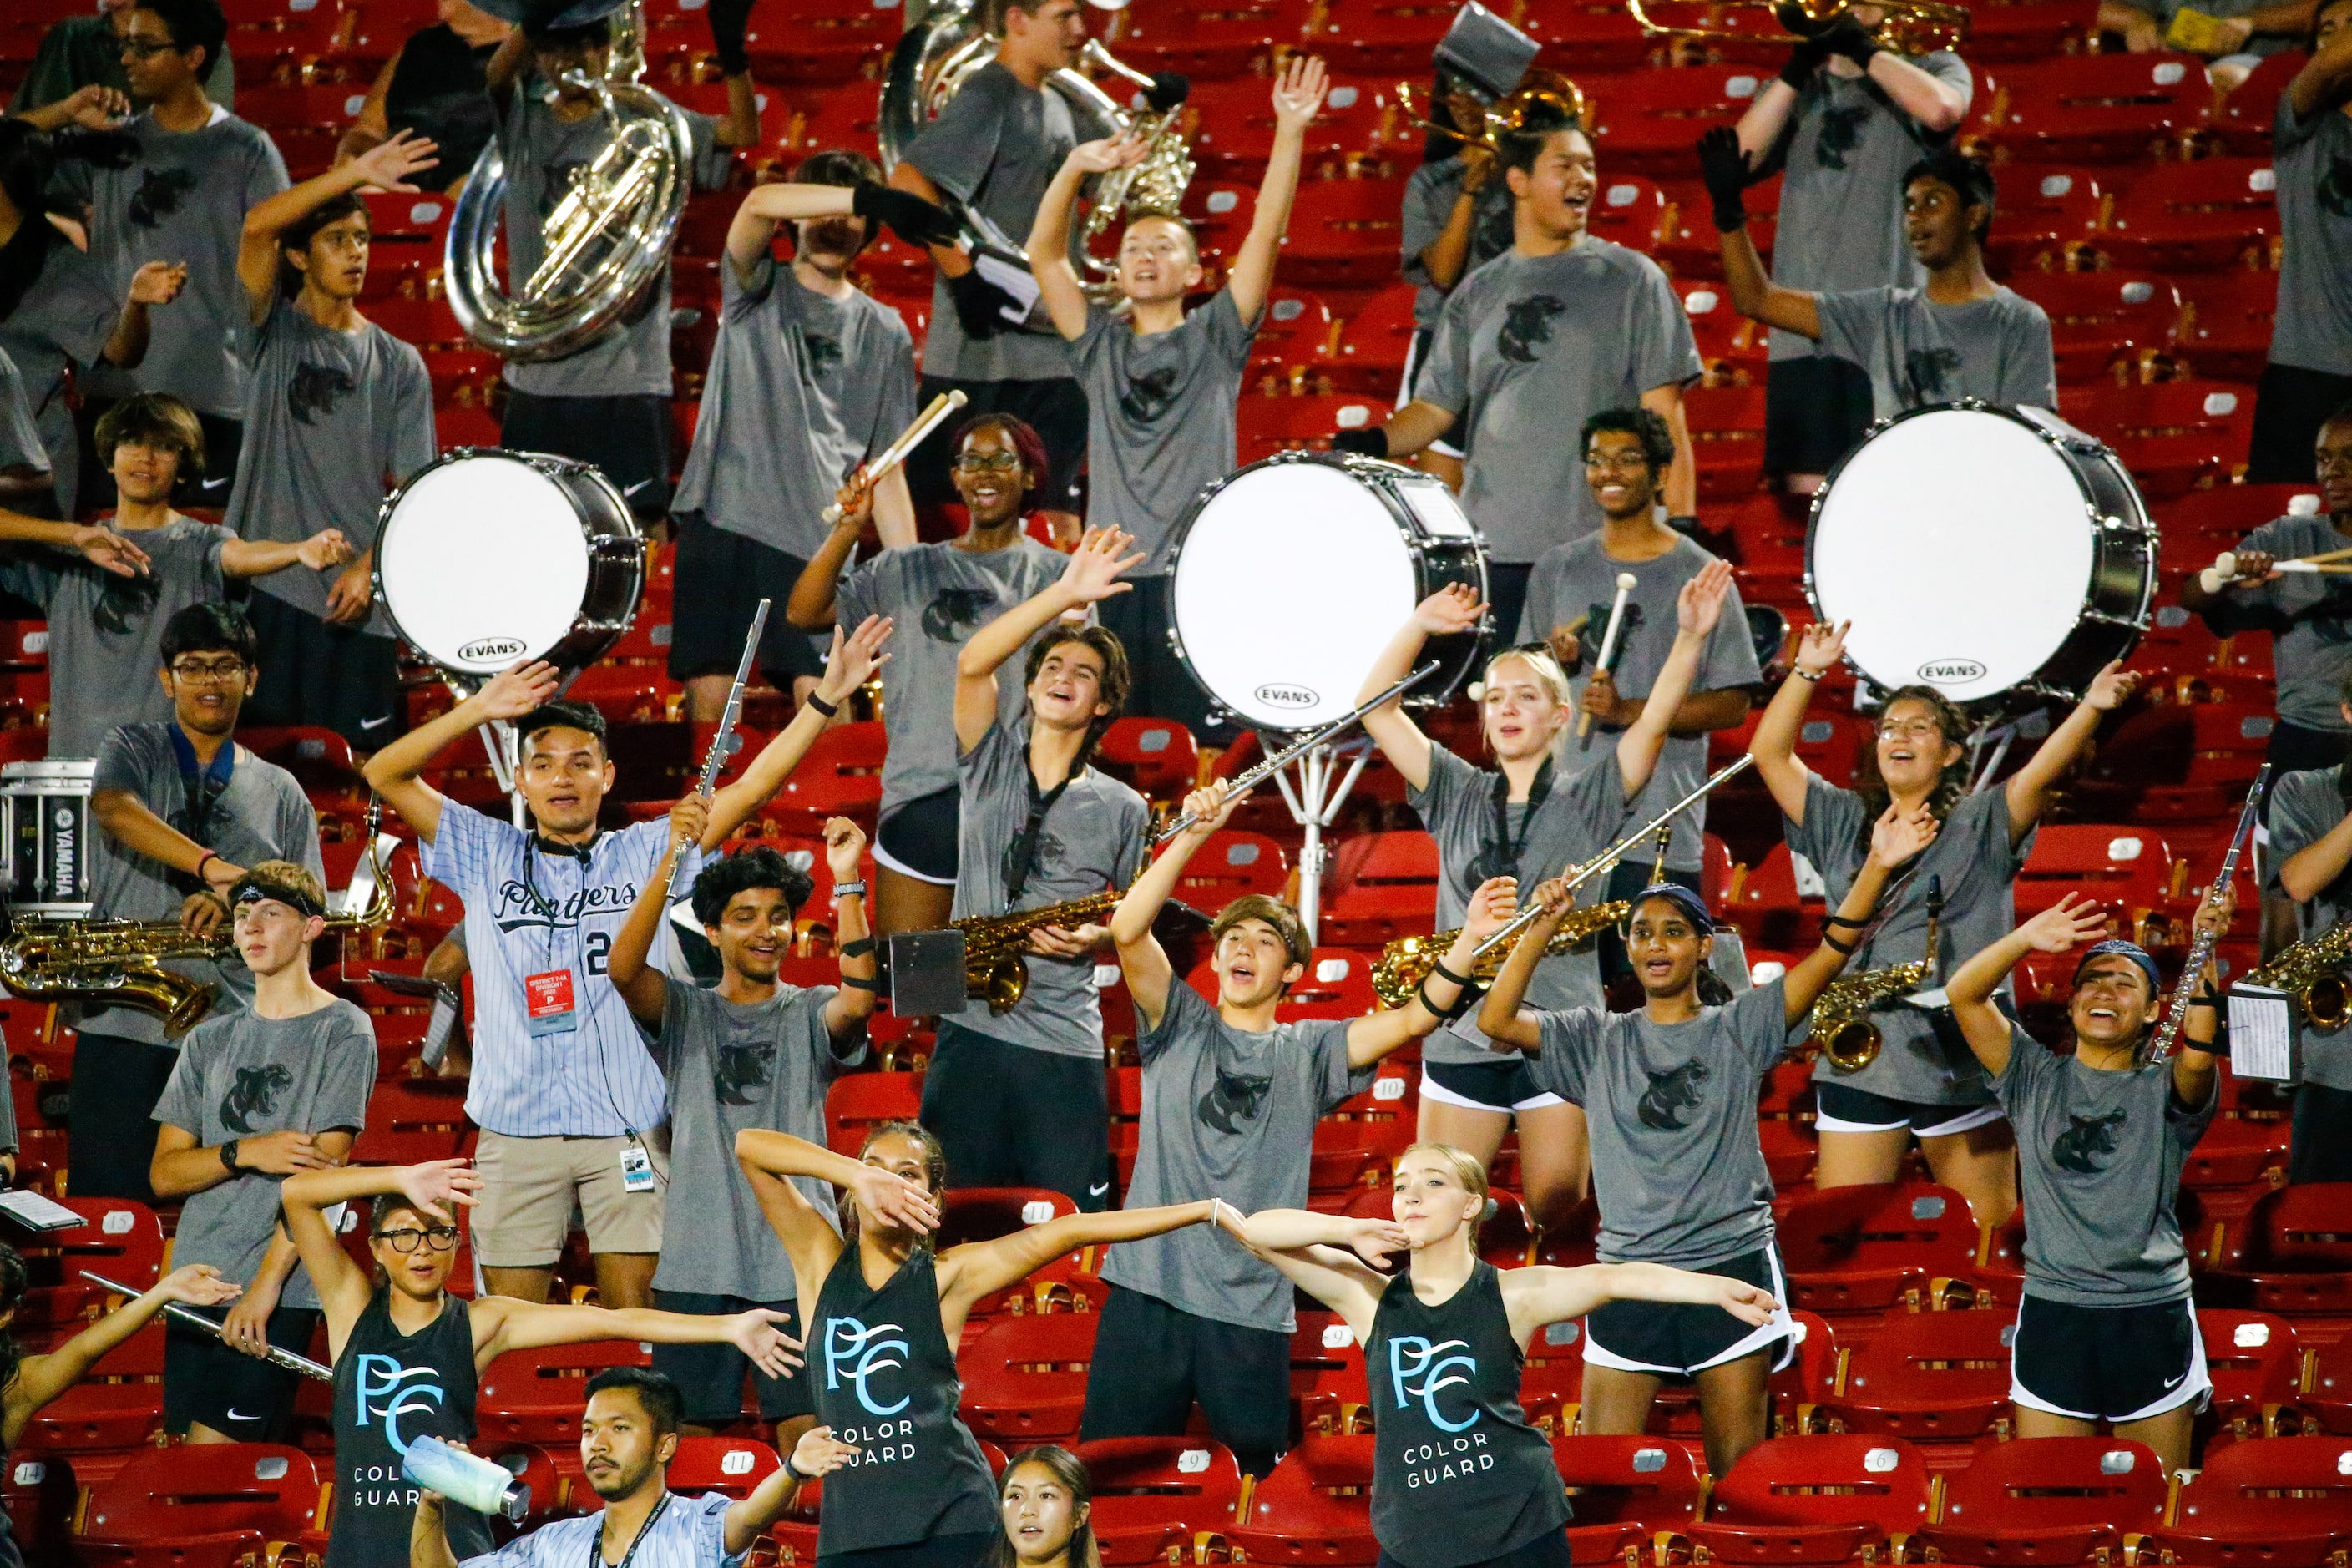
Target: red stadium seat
<point x="120" y="1405"/>
<point x="841" y="777"/>
<point x="2227" y="322"/>
<point x="1157" y="758"/>
<point x="2282" y="1502"/>
<point x="1294" y="344"/>
<point x="1344" y="233"/>
<point x="2298" y="1260"/>
<point x="1927" y="1377"/>
<point x="1627" y="1493"/>
<point x="823" y="41"/>
<point x="1381" y="36"/>
<point x="1209" y="42"/>
<point x="1024" y="1377"/>
<point x="2328" y="1396"/>
<point x="2047" y="213"/>
<point x="1768" y="907"/>
<point x="858" y="1103"/>
<point x="410" y="1122"/>
<point x="2031" y="29"/>
<point x="2243" y="122"/>
<point x="2255" y="1362"/>
<point x="2175" y="436"/>
<point x="1632" y="211"/>
<point x="2100" y="108"/>
<point x="539" y="1395"/>
<point x="1869" y="1249"/>
<point x="1726" y="338"/>
<point x="1818" y="1500"/>
<point x="2196" y="217"/>
<point x="2176" y="764"/>
<point x="1232" y="127"/>
<point x="1327" y="1373"/>
<point x="843" y="116"/>
<point x="118" y="1238"/>
<point x="1315" y="1508"/>
<point x="1585" y="35"/>
<point x="1229" y="865"/>
<point x="2048" y="1500"/>
<point x="1380" y="886"/>
<point x="2126" y="870"/>
<point x="732" y="1467"/>
<point x="41" y="1496"/>
<point x="1159" y="1500"/>
<point x="2227" y="513"/>
<point x="1268" y="425"/>
<point x="1338" y="984"/>
<point x="2097" y="318"/>
<point x="217" y="1506"/>
<point x="1727" y="431"/>
<point x="1648" y="121"/>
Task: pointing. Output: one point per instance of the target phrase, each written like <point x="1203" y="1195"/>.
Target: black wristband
<point x="858" y="983"/>
<point x="858" y="949"/>
<point x="1471" y="996"/>
<point x="1442" y="973"/>
<point x="1842" y="921"/>
<point x="795" y="1471"/>
<point x="821" y="705"/>
<point x="1842" y="949"/>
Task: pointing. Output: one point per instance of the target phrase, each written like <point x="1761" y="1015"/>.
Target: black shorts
<point x="1549" y="1550"/>
<point x="1674" y="1341"/>
<point x="2107" y="1363"/>
<point x="239" y="1395"/>
<point x="343" y="678"/>
<point x="721" y="578"/>
<point x="2319" y="1140"/>
<point x="1815" y="411"/>
<point x="1842" y="1108"/>
<point x="626" y="436"/>
<point x="711" y="1378"/>
<point x="1055" y="410"/>
<point x="1504" y="1084"/>
<point x="111" y="1133"/>
<point x="2290" y="405"/>
<point x="919" y="837"/>
<point x="1009" y="1116"/>
<point x="1153" y="1361"/>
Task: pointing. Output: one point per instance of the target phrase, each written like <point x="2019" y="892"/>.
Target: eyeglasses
<point x="989" y="462"/>
<point x="1916" y="729"/>
<point x="148" y="48"/>
<point x="214" y="671"/>
<point x="1618" y="462"/>
<point x="440" y="1238"/>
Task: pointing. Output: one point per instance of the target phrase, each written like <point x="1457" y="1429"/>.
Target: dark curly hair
<point x="1951" y="721"/>
<point x="1116" y="680"/>
<point x="759" y="867"/>
<point x="1657" y="439"/>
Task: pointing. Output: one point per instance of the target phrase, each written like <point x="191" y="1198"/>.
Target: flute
<point x="277" y="1355"/>
<point x="720" y="740"/>
<point x="891" y="456"/>
<point x="1626" y="584"/>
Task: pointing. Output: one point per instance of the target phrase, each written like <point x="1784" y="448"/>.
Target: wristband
<point x="1472" y="996"/>
<point x="859" y="983"/>
<point x="1842" y="921"/>
<point x="206" y="858"/>
<point x="795" y="1471"/>
<point x="1842" y="949"/>
<point x="858" y="949"/>
<point x="228" y="1157"/>
<point x="1801" y="673"/>
<point x="1442" y="973"/>
<point x="821" y="705"/>
<point x="849" y="891"/>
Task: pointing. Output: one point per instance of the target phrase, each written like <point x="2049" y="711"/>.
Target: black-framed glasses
<point x="989" y="462"/>
<point x="219" y="671"/>
<point x="439" y="1237"/>
<point x="147" y="48"/>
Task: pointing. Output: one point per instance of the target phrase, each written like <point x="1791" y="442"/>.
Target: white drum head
<point x="1959" y="545"/>
<point x="1291" y="580"/>
<point x="484" y="562"/>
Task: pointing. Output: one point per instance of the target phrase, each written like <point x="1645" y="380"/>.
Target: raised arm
<point x="1376" y="1034"/>
<point x="1774" y="105"/>
<point x="1091" y="575"/>
<point x="979" y="1268"/>
<point x="2318" y="86"/>
<point x="853" y="1002"/>
<point x="2193" y="1067"/>
<point x="2072" y="922"/>
<point x="40" y="1378"/>
<point x="630" y="967"/>
<point x="394" y="771"/>
<point x="1297" y="94"/>
<point x="438" y="1188"/>
<point x="1337" y="1258"/>
<point x="2030" y="787"/>
<point x="1507" y="1026"/>
<point x="1448" y="612"/>
<point x="1753" y="293"/>
<point x="1058" y="283"/>
<point x="1448" y="257"/>
<point x="769" y="1159"/>
<point x="385" y="166"/>
<point x="1774" y="745"/>
<point x="817" y="1453"/>
<point x="848" y="665"/>
<point x="1895" y="838"/>
<point x="1141" y="961"/>
<point x="1698" y="607"/>
<point x="915" y="220"/>
<point x="155" y="284"/>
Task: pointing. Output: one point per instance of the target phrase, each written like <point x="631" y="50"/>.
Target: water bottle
<point x="483" y="1485"/>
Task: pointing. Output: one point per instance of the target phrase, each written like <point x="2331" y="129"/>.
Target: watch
<point x="229" y="1158"/>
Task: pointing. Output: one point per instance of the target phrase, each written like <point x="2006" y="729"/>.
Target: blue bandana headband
<point x="1682" y="898"/>
<point x="2118" y="948"/>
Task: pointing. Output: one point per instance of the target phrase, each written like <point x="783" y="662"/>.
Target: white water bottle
<point x="483" y="1485"/>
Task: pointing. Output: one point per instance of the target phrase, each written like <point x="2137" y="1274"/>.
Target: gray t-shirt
<point x="261" y="814"/>
<point x="2099" y="1171"/>
<point x="1578" y="582"/>
<point x="1977" y="867"/>
<point x="543" y="154"/>
<point x="1917" y="352"/>
<point x="20" y="438"/>
<point x="1226" y="1114"/>
<point x="247" y="1076"/>
<point x="1160" y="418"/>
<point x="65" y="318"/>
<point x="730" y="1067"/>
<point x="105" y="633"/>
<point x="2311" y="616"/>
<point x="183" y="199"/>
<point x="1429" y="198"/>
<point x="331" y="420"/>
<point x="1526" y="347"/>
<point x="801" y="389"/>
<point x="2313" y="158"/>
<point x="938" y="595"/>
<point x="1576" y="819"/>
<point x="995" y="148"/>
<point x="1676" y="1168"/>
<point x="2305" y="808"/>
<point x="1089" y="841"/>
<point x="1843" y="155"/>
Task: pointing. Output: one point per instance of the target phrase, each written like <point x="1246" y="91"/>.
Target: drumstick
<point x="1626" y="584"/>
<point x="891" y="456"/>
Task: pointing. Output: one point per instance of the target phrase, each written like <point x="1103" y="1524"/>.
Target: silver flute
<point x="275" y="1355"/>
<point x="722" y="741"/>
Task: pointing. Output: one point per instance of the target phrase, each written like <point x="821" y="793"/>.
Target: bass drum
<point x="1984" y="552"/>
<point x="1293" y="573"/>
<point x="486" y="557"/>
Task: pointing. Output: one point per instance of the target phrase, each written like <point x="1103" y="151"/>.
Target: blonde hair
<point x="1465" y="1169"/>
<point x="1546" y="665"/>
<point x="286" y="874"/>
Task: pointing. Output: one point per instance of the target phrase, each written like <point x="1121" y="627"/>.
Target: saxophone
<point x="1842" y="1026"/>
<point x="996" y="947"/>
<point x="2312" y="972"/>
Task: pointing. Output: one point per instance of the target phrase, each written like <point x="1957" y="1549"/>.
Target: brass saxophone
<point x="1405" y="962"/>
<point x="996" y="947"/>
<point x="1842" y="1026"/>
<point x="2312" y="972"/>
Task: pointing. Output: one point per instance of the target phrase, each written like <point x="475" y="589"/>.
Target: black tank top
<point x="391" y="1389"/>
<point x="1458" y="1476"/>
<point x="886" y="1383"/>
<point x="440" y="88"/>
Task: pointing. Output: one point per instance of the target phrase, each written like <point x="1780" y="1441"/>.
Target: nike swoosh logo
<point x="375" y="723"/>
<point x="2174" y="1381"/>
<point x="636" y="488"/>
<point x="236" y="1414"/>
<point x="1099" y="1189"/>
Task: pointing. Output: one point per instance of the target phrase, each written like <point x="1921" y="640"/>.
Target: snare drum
<point x="46" y="838"/>
<point x="1292" y="575"/>
<point x="486" y="557"/>
<point x="1982" y="550"/>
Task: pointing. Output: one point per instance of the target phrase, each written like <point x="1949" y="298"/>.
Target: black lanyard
<point x="204" y="786"/>
<point x="596" y="1539"/>
<point x="540" y="903"/>
<point x="1498" y="854"/>
<point x="1022" y="858"/>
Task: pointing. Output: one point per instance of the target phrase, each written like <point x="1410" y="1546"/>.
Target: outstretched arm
<point x="2072" y="922"/>
<point x="2030" y="787"/>
<point x="1141" y="960"/>
<point x="1297" y="94"/>
<point x="1895" y="838"/>
<point x="40" y="1378"/>
<point x="1091" y="575"/>
<point x="851" y="662"/>
<point x="503" y="1323"/>
<point x="852" y="1000"/>
<point x="1049" y="235"/>
<point x="1724" y="167"/>
<point x="1376" y="1034"/>
<point x="769" y="1159"/>
<point x="1696" y="609"/>
<point x="1539" y="1295"/>
<point x="395" y="772"/>
<point x="817" y="1453"/>
<point x="1449" y="611"/>
<point x="1774" y="746"/>
<point x="1334" y="1257"/>
<point x="437" y="1187"/>
<point x="261" y="557"/>
<point x="386" y="165"/>
<point x="979" y="1268"/>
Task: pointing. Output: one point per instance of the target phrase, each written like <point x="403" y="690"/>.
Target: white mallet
<point x="1626" y="584"/>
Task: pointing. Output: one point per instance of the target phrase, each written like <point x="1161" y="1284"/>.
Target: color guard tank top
<point x="391" y="1389"/>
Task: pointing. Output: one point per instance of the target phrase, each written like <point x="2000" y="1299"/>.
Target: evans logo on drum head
<point x="1950" y="671"/>
<point x="1274" y="694"/>
<point x="491" y="647"/>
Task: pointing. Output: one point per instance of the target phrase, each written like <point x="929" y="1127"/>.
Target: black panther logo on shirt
<point x="1526" y="325"/>
<point x="158" y="196"/>
<point x="124" y="604"/>
<point x="1596" y="626"/>
<point x="823" y="352"/>
<point x="741" y="1066"/>
<point x="1841" y="134"/>
<point x="1147" y="396"/>
<point x="1930" y="371"/>
<point x="2335" y="187"/>
<point x="1048" y="850"/>
<point x="1672" y="1091"/>
<point x="254" y="1095"/>
<point x="954" y="611"/>
<point x="2090" y="1135"/>
<point x="315" y="390"/>
<point x="1234" y="1100"/>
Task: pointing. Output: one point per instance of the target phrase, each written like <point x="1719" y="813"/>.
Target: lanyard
<point x="531" y="884"/>
<point x="596" y="1539"/>
<point x="1498" y="854"/>
<point x="1023" y="855"/>
<point x="204" y="786"/>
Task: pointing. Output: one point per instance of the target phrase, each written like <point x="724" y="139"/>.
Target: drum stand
<point x="1313" y="803"/>
<point x="506" y="761"/>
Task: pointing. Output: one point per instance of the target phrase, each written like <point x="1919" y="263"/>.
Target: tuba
<point x="1906" y="26"/>
<point x="607" y="239"/>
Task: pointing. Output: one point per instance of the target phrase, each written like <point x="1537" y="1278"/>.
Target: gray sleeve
<point x="1227" y="335"/>
<point x="1186" y="1022"/>
<point x="1569" y="1038"/>
<point x="410" y="443"/>
<point x="1953" y="72"/>
<point x="120" y="763"/>
<point x="1335" y="1079"/>
<point x="264" y="173"/>
<point x="348" y="1080"/>
<point x="1828" y="835"/>
<point x="299" y="831"/>
<point x="2029" y="366"/>
<point x="2028" y="1064"/>
<point x="1134" y="822"/>
<point x="20" y="438"/>
<point x="182" y="1103"/>
<point x="712" y="162"/>
<point x="1451" y="782"/>
<point x="1446" y="375"/>
<point x="1661" y="351"/>
<point x="955" y="150"/>
<point x="894" y="409"/>
<point x="1598" y="795"/>
<point x="7" y="1123"/>
<point x="832" y="1056"/>
<point x="1427" y="206"/>
<point x="1759" y="1021"/>
<point x="2305" y="808"/>
<point x="860" y="592"/>
<point x="1855" y="322"/>
<point x="1537" y="613"/>
<point x="2290" y="130"/>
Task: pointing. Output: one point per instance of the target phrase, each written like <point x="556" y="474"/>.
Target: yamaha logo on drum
<point x="491" y="647"/>
<point x="1950" y="671"/>
<point x="1274" y="694"/>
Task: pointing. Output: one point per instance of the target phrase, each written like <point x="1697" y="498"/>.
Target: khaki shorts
<point x="531" y="1184"/>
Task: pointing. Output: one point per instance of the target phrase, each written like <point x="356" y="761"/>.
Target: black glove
<point x="1803" y="61"/>
<point x="730" y="21"/>
<point x="1844" y="36"/>
<point x="911" y="217"/>
<point x="1724" y="167"/>
<point x="1167" y="90"/>
<point x="1372" y="441"/>
<point x="978" y="305"/>
<point x="106" y="149"/>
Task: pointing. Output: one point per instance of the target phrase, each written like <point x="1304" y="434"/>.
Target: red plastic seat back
<point x="539" y="1395"/>
<point x="732" y="1466"/>
<point x="1959" y="1357"/>
<point x="2056" y="1483"/>
<point x="1230" y="864"/>
<point x="165" y="1495"/>
<point x="1833" y="1479"/>
<point x="859" y="1101"/>
<point x="2254" y="1358"/>
<point x="1912" y="1225"/>
<point x="2275" y="1487"/>
<point x="1140" y="1484"/>
<point x="2123" y="868"/>
<point x="2305" y="1229"/>
<point x="1629" y="1481"/>
<point x="120" y="1240"/>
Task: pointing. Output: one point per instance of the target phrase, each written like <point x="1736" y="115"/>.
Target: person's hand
<point x="246" y="1330"/>
<point x="198" y="1285"/>
<point x="352" y="594"/>
<point x="1451" y="611"/>
<point x="689" y="820"/>
<point x="854" y="503"/>
<point x="1599" y="698"/>
<point x="326" y="548"/>
<point x="97" y="107"/>
<point x="202" y="913"/>
<point x="1723" y="169"/>
<point x="1820" y="646"/>
<point x="853" y="658"/>
<point x="895" y="1199"/>
<point x="1095" y="567"/>
<point x="760" y="1335"/>
<point x="2230" y="35"/>
<point x="2142" y="35"/>
<point x="2112" y="687"/>
<point x="1556" y="899"/>
<point x="1494" y="904"/>
<point x="817" y="1454"/>
<point x="158" y="283"/>
<point x="387" y="166"/>
<point x="845" y="848"/>
<point x="908" y="216"/>
<point x="1810" y="52"/>
<point x="437" y="1188"/>
<point x="1121" y="151"/>
<point x="281" y="1153"/>
<point x="109" y="551"/>
<point x="1566" y="644"/>
<point x="1299" y="93"/>
<point x="1213" y="804"/>
<point x="730" y="26"/>
<point x="1067" y="941"/>
<point x="2215" y="913"/>
<point x="516" y="690"/>
<point x="2247" y="568"/>
<point x="1845" y="34"/>
<point x="1478" y="167"/>
<point x="979" y="305"/>
<point x="1376" y="1240"/>
<point x="1750" y="1303"/>
<point x="1700" y="603"/>
<point x="221" y="875"/>
<point x="2072" y="922"/>
<point x="1901" y="833"/>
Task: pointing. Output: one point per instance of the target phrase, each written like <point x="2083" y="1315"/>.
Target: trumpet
<point x="1906" y="26"/>
<point x="1842" y="1026"/>
<point x="1478" y="124"/>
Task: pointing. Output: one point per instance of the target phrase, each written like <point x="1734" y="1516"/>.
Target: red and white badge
<point x="547" y="1000"/>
